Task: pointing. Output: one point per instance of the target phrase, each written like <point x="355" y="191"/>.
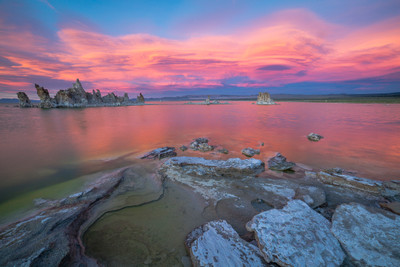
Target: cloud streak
<point x="292" y="46"/>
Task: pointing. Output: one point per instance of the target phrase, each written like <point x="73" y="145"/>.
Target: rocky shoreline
<point x="308" y="218"/>
<point x="77" y="97"/>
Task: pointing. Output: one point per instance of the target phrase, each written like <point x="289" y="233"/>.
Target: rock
<point x="234" y="167"/>
<point x="183" y="148"/>
<point x="314" y="137"/>
<point x="370" y="236"/>
<point x="392" y="206"/>
<point x="249" y="152"/>
<point x="217" y="244"/>
<point x="140" y="98"/>
<point x="45" y="100"/>
<point x="264" y="99"/>
<point x="24" y="101"/>
<point x="125" y="98"/>
<point x="201" y="144"/>
<point x="391" y="190"/>
<point x="338" y="177"/>
<point x="223" y="151"/>
<point x="110" y="98"/>
<point x="296" y="236"/>
<point x="160" y="153"/>
<point x="52" y="235"/>
<point x="279" y="163"/>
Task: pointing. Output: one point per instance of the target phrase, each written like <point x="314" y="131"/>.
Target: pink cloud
<point x="288" y="47"/>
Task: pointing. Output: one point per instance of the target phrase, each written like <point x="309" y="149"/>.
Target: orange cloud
<point x="288" y="47"/>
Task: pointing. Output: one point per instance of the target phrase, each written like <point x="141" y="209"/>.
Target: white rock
<point x="296" y="236"/>
<point x="369" y="237"/>
<point x="217" y="244"/>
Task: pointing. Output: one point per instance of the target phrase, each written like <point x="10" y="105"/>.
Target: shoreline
<point x="91" y="203"/>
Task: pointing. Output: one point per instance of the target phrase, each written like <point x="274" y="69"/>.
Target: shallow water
<point x="45" y="148"/>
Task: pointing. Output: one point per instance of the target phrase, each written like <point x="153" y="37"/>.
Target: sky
<point x="175" y="48"/>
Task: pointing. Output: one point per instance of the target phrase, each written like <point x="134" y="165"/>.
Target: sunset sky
<point x="168" y="48"/>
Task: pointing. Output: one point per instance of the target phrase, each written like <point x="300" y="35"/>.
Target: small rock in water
<point x="217" y="244"/>
<point x="223" y="151"/>
<point x="296" y="236"/>
<point x="183" y="148"/>
<point x="279" y="163"/>
<point x="370" y="236"/>
<point x="160" y="153"/>
<point x="249" y="152"/>
<point x="201" y="144"/>
<point x="314" y="137"/>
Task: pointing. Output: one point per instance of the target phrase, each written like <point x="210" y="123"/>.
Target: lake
<point x="45" y="152"/>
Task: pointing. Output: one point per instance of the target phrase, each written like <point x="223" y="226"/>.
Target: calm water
<point x="42" y="149"/>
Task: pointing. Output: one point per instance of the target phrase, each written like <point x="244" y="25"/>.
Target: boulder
<point x="160" y="153"/>
<point x="24" y="101"/>
<point x="314" y="137"/>
<point x="183" y="148"/>
<point x="249" y="152"/>
<point x="296" y="236"/>
<point x="264" y="99"/>
<point x="201" y="144"/>
<point x="216" y="243"/>
<point x="279" y="163"/>
<point x="45" y="100"/>
<point x="370" y="236"/>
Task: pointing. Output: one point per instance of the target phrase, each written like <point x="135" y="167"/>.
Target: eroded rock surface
<point x="314" y="137"/>
<point x="370" y="236"/>
<point x="45" y="100"/>
<point x="296" y="236"/>
<point x="279" y="163"/>
<point x="160" y="153"/>
<point x="250" y="152"/>
<point x="24" y="101"/>
<point x="217" y="244"/>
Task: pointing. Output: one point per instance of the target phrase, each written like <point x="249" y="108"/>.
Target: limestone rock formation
<point x="264" y="99"/>
<point x="216" y="243"/>
<point x="296" y="236"/>
<point x="140" y="98"/>
<point x="279" y="163"/>
<point x="45" y="100"/>
<point x="24" y="101"/>
<point x="370" y="236"/>
<point x="314" y="137"/>
<point x="249" y="152"/>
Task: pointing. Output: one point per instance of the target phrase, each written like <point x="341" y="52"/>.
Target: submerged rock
<point x="249" y="152"/>
<point x="223" y="151"/>
<point x="24" y="101"/>
<point x="217" y="244"/>
<point x="264" y="99"/>
<point x="201" y="144"/>
<point x="296" y="236"/>
<point x="314" y="137"/>
<point x="370" y="236"/>
<point x="183" y="148"/>
<point x="279" y="163"/>
<point x="160" y="153"/>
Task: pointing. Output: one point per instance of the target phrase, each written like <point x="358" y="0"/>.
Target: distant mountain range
<point x="278" y="97"/>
